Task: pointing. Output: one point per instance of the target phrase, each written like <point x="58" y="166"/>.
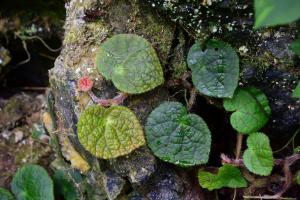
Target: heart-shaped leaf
<point x="130" y="62"/>
<point x="275" y="12"/>
<point x="176" y="136"/>
<point x="109" y="133"/>
<point x="296" y="92"/>
<point x="258" y="158"/>
<point x="228" y="176"/>
<point x="5" y="195"/>
<point x="215" y="69"/>
<point x="251" y="108"/>
<point x="32" y="182"/>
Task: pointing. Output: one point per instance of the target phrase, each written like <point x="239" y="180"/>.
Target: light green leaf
<point x="5" y="194"/>
<point x="109" y="133"/>
<point x="296" y="92"/>
<point x="176" y="136"/>
<point x="64" y="186"/>
<point x="228" y="176"/>
<point x="251" y="108"/>
<point x="32" y="182"/>
<point x="275" y="12"/>
<point x="258" y="158"/>
<point x="295" y="46"/>
<point x="130" y="62"/>
<point x="215" y="69"/>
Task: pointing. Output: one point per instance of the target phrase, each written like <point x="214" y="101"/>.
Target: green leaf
<point x="228" y="176"/>
<point x="109" y="133"/>
<point x="258" y="158"/>
<point x="176" y="136"/>
<point x="32" y="182"/>
<point x="64" y="186"/>
<point x="215" y="70"/>
<point x="298" y="177"/>
<point x="251" y="108"/>
<point x="5" y="194"/>
<point x="130" y="62"/>
<point x="297" y="149"/>
<point x="275" y="12"/>
<point x="295" y="46"/>
<point x="296" y="92"/>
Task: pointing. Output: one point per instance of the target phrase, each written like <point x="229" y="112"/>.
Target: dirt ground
<point x="19" y="117"/>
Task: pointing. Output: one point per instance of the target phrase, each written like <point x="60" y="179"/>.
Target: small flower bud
<point x="85" y="84"/>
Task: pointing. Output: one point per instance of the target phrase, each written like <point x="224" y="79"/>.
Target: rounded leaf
<point x="258" y="158"/>
<point x="5" y="195"/>
<point x="215" y="70"/>
<point x="109" y="133"/>
<point x="251" y="108"/>
<point x="176" y="136"/>
<point x="130" y="62"/>
<point x="32" y="182"/>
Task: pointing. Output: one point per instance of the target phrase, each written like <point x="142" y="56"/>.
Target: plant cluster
<point x="171" y="132"/>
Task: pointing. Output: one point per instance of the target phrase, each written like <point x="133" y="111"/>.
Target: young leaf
<point x="64" y="186"/>
<point x="109" y="133"/>
<point x="275" y="12"/>
<point x="251" y="108"/>
<point x="215" y="70"/>
<point x="130" y="62"/>
<point x="5" y="195"/>
<point x="228" y="176"/>
<point x="32" y="182"/>
<point x="176" y="136"/>
<point x="258" y="158"/>
<point x="296" y="92"/>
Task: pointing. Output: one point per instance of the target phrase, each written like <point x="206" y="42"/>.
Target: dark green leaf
<point x="295" y="46"/>
<point x="64" y="186"/>
<point x="5" y="195"/>
<point x="130" y="62"/>
<point x="228" y="176"/>
<point x="251" y="108"/>
<point x="258" y="158"/>
<point x="32" y="182"/>
<point x="176" y="136"/>
<point x="275" y="12"/>
<point x="215" y="69"/>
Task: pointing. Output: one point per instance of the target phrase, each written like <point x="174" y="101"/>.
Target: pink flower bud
<point x="85" y="84"/>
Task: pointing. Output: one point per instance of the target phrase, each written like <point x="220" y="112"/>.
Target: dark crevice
<point x="168" y="70"/>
